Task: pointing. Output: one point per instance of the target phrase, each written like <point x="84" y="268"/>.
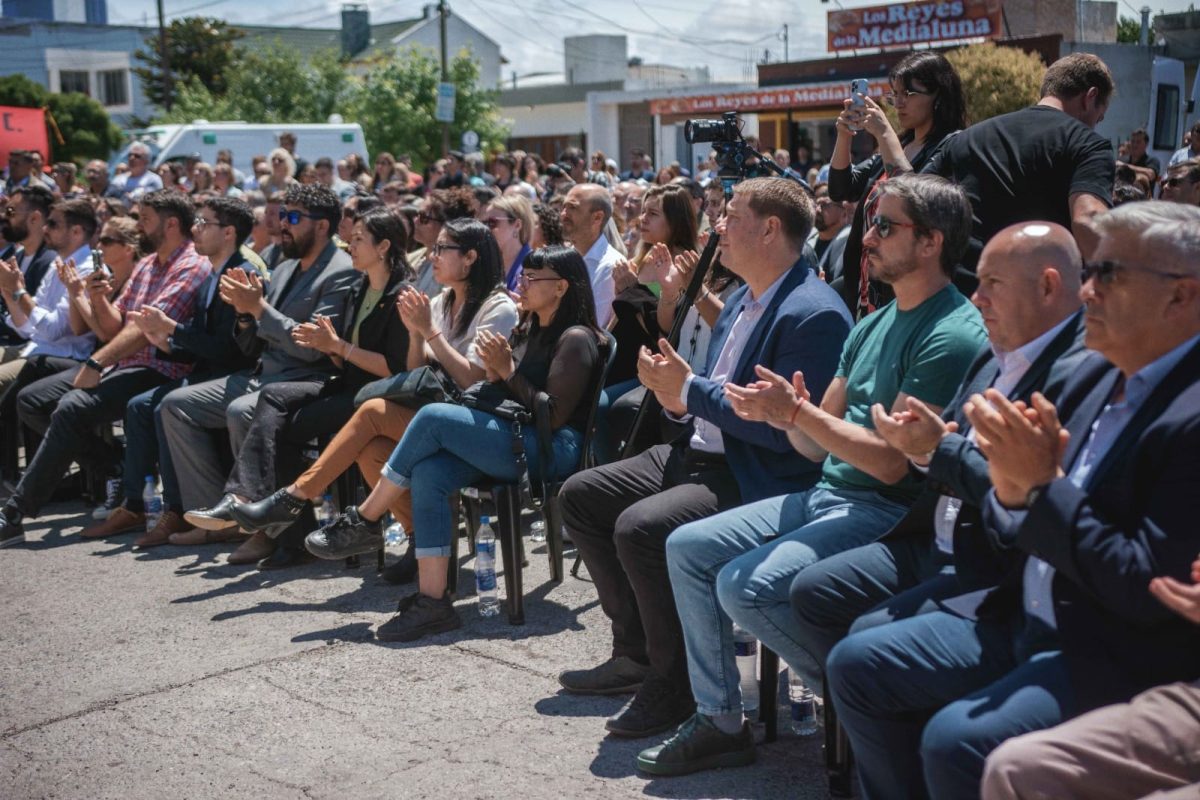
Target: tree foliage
<point x="199" y="49"/>
<point x="85" y="125"/>
<point x="1129" y="31"/>
<point x="997" y="80"/>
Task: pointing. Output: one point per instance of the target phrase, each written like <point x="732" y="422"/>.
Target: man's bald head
<point x="1029" y="280"/>
<point x="595" y="198"/>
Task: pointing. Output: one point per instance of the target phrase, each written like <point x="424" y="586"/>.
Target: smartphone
<point x="98" y="264"/>
<point x="858" y="90"/>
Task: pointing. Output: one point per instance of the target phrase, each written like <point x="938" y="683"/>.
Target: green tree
<point x="199" y="48"/>
<point x="997" y="80"/>
<point x="86" y="128"/>
<point x="395" y="100"/>
<point x="1129" y="31"/>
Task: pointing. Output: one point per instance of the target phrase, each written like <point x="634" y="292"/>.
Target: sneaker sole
<point x="208" y="523"/>
<point x="329" y="555"/>
<point x="627" y="733"/>
<point x="416" y="633"/>
<point x="271" y="529"/>
<point x="629" y="689"/>
<point x="742" y="758"/>
<point x="10" y="541"/>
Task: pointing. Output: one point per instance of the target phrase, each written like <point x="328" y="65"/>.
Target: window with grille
<point x="73" y="81"/>
<point x="114" y="87"/>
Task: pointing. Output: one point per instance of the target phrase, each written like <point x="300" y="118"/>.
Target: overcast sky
<point x="719" y="34"/>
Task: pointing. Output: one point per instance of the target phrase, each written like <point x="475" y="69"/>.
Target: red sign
<point x="23" y="129"/>
<point x="815" y="95"/>
<point x="903" y="24"/>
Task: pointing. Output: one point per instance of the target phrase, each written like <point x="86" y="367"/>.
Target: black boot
<point x="271" y="515"/>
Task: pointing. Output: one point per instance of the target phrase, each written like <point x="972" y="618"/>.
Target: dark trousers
<point x="288" y="416"/>
<point x="35" y="368"/>
<point x="924" y="700"/>
<point x="619" y="516"/>
<point x="67" y="419"/>
<point x="868" y="586"/>
<point x="146" y="450"/>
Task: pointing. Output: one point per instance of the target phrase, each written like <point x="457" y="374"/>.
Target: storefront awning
<point x="778" y="98"/>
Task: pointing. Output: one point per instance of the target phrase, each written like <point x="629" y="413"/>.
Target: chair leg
<point x="554" y="541"/>
<point x="839" y="761"/>
<point x="508" y="517"/>
<point x="768" y="691"/>
<point x="452" y="567"/>
<point x="575" y="567"/>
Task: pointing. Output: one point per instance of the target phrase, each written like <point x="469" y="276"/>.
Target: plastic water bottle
<point x="804" y="705"/>
<point x="393" y="537"/>
<point x="153" y="503"/>
<point x="745" y="647"/>
<point x="485" y="570"/>
<point x="327" y="513"/>
<point x="537" y="531"/>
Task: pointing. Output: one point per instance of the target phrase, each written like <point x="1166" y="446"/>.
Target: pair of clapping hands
<point x="11" y="278"/>
<point x="672" y="274"/>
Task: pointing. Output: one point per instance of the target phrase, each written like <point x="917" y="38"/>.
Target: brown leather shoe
<point x="122" y="520"/>
<point x="169" y="524"/>
<point x="198" y="536"/>
<point x="254" y="549"/>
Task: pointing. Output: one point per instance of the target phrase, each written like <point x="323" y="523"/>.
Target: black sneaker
<point x="11" y="531"/>
<point x="420" y="615"/>
<point x="217" y="518"/>
<point x="618" y="675"/>
<point x="404" y="570"/>
<point x="659" y="706"/>
<point x="348" y="535"/>
<point x="272" y="515"/>
<point x="699" y="745"/>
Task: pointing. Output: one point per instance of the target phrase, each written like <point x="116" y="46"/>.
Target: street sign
<point x="470" y="141"/>
<point x="445" y="103"/>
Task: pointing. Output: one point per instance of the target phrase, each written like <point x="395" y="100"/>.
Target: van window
<point x="1166" y="118"/>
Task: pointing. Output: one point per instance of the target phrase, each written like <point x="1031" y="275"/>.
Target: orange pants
<point x="368" y="439"/>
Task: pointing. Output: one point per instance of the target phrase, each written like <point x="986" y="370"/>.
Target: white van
<point x="245" y="140"/>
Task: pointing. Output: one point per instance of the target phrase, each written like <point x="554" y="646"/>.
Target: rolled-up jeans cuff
<point x="711" y="711"/>
<point x="394" y="477"/>
<point x="433" y="552"/>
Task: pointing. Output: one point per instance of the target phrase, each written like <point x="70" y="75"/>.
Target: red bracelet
<point x="431" y="338"/>
<point x="795" y="411"/>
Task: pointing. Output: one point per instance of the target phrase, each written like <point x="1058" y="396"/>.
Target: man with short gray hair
<point x="140" y="179"/>
<point x="585" y="215"/>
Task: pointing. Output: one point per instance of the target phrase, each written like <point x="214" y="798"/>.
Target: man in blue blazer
<point x="619" y="515"/>
<point x="1094" y="511"/>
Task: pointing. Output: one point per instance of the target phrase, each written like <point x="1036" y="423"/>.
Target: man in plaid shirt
<point x="66" y="408"/>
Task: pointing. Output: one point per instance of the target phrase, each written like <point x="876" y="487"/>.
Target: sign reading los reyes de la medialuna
<point x="910" y="23"/>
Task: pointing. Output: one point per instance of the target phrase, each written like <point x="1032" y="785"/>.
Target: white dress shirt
<point x="48" y="327"/>
<point x="600" y="259"/>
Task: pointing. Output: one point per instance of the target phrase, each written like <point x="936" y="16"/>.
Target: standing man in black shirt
<point x="1043" y="162"/>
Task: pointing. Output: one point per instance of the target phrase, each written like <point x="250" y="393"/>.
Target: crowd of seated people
<point x="928" y="429"/>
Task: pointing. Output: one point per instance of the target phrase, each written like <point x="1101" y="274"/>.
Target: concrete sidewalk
<point x="170" y="674"/>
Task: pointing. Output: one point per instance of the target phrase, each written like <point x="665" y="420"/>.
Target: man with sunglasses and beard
<point x="24" y="228"/>
<point x="314" y="282"/>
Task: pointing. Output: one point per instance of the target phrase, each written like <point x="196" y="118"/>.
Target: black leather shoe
<point x="699" y="745"/>
<point x="659" y="706"/>
<point x="11" y="530"/>
<point x="618" y="675"/>
<point x="285" y="557"/>
<point x="348" y="535"/>
<point x="217" y="518"/>
<point x="404" y="570"/>
<point x="272" y="515"/>
<point x="420" y="615"/>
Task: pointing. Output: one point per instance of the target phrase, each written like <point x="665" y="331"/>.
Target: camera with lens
<point x="725" y="129"/>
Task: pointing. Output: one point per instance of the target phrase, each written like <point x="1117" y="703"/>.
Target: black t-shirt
<point x="1149" y="162"/>
<point x="1024" y="166"/>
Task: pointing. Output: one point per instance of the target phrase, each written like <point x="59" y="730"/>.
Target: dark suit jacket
<point x="43" y="259"/>
<point x="1135" y="519"/>
<point x="208" y="338"/>
<point x="802" y="329"/>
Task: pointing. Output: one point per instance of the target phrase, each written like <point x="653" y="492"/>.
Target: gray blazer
<point x="323" y="289"/>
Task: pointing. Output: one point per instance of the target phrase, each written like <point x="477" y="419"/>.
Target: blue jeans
<point x="738" y="566"/>
<point x="925" y="699"/>
<point x="447" y="447"/>
<point x="146" y="447"/>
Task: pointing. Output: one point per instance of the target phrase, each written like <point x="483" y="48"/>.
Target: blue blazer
<point x="803" y="328"/>
<point x="1135" y="519"/>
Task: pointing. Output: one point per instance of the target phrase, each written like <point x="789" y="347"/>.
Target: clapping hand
<point x="70" y="277"/>
<point x="10" y="277"/>
<point x="154" y="325"/>
<point x="1182" y="598"/>
<point x="625" y="275"/>
<point x="1024" y="444"/>
<point x="771" y="399"/>
<point x="415" y="312"/>
<point x="242" y="290"/>
<point x="319" y="335"/>
<point x="664" y="373"/>
<point x="496" y="353"/>
<point x="677" y="274"/>
<point x="915" y="432"/>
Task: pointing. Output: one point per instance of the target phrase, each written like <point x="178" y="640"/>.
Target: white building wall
<point x="558" y="119"/>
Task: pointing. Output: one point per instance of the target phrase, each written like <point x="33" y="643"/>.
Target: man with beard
<point x="741" y="562"/>
<point x="67" y="408"/>
<point x="312" y="283"/>
<point x="831" y="229"/>
<point x="208" y="343"/>
<point x="24" y="228"/>
<point x="585" y="214"/>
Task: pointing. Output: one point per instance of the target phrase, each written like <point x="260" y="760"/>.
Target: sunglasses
<point x="138" y="156"/>
<point x="885" y="225"/>
<point x="53" y="224"/>
<point x="10" y="211"/>
<point x="106" y="240"/>
<point x="425" y="219"/>
<point x="440" y="248"/>
<point x="496" y="222"/>
<point x="1105" y="272"/>
<point x="907" y="94"/>
<point x="1175" y="181"/>
<point x="294" y="217"/>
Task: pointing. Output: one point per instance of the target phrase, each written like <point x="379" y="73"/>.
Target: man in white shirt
<point x="140" y="179"/>
<point x="585" y="214"/>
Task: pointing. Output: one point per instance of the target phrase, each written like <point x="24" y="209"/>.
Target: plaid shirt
<point x="174" y="289"/>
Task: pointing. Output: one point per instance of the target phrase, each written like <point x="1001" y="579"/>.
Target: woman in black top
<point x="446" y="447"/>
<point x="928" y="97"/>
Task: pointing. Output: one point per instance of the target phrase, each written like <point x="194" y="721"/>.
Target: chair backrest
<point x="606" y="362"/>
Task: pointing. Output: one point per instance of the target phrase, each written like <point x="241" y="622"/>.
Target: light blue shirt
<point x="48" y="327"/>
<point x="1181" y="155"/>
<point x="1039" y="576"/>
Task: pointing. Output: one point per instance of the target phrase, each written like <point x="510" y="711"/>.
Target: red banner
<point x="816" y="95"/>
<point x="903" y="24"/>
<point x="23" y="129"/>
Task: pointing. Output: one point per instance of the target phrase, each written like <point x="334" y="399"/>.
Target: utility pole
<point x="785" y="42"/>
<point x="164" y="58"/>
<point x="443" y="12"/>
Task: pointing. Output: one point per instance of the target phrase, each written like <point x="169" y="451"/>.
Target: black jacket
<point x="207" y="338"/>
<point x="381" y="332"/>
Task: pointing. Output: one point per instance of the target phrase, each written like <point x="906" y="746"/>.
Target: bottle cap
<point x="485" y="520"/>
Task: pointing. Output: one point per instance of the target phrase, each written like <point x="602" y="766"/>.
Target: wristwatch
<point x="1034" y="494"/>
<point x="93" y="364"/>
<point x="19" y="293"/>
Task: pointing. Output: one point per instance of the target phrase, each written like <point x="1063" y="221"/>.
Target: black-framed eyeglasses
<point x="201" y="222"/>
<point x="525" y="280"/>
<point x="440" y="248"/>
<point x="496" y="222"/>
<point x="425" y="218"/>
<point x="294" y="217"/>
<point x="891" y="97"/>
<point x="1105" y="272"/>
<point x="885" y="225"/>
